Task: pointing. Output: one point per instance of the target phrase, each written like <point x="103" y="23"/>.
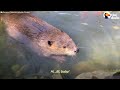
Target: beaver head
<point x="57" y="43"/>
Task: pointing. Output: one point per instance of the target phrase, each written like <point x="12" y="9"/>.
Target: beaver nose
<point x="77" y="50"/>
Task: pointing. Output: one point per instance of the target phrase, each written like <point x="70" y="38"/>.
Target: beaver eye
<point x="50" y="43"/>
<point x="64" y="46"/>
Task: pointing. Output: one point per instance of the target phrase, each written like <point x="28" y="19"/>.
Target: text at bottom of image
<point x="60" y="71"/>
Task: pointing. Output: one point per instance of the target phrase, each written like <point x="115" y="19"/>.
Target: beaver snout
<point x="77" y="50"/>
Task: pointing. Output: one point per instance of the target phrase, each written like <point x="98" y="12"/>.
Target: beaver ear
<point x="50" y="43"/>
<point x="61" y="30"/>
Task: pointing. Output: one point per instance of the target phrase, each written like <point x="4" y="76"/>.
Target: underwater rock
<point x="56" y="76"/>
<point x="94" y="75"/>
<point x="114" y="76"/>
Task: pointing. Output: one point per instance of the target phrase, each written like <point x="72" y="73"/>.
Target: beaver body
<point x="39" y="36"/>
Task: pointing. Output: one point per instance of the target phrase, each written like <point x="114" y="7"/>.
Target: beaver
<point x="41" y="37"/>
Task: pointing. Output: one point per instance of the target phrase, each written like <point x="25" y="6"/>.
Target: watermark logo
<point x="108" y="15"/>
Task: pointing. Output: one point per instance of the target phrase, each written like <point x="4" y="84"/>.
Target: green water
<point x="97" y="38"/>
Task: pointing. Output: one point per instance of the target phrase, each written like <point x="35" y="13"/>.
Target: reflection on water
<point x="97" y="38"/>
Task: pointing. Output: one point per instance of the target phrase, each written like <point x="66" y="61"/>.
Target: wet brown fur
<point x="40" y="32"/>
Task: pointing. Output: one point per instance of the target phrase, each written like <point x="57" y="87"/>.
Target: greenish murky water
<point x="98" y="39"/>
